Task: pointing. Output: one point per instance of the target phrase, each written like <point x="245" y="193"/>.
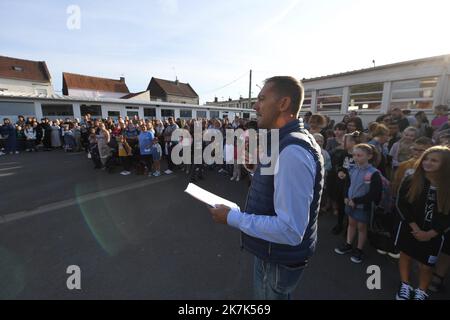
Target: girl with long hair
<point x="423" y="203"/>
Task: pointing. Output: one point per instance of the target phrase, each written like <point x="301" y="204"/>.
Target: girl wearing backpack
<point x="365" y="188"/>
<point x="341" y="160"/>
<point x="423" y="203"/>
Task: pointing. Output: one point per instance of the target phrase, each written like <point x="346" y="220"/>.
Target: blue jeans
<point x="275" y="281"/>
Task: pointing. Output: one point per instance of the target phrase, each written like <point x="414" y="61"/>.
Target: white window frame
<point x="432" y="99"/>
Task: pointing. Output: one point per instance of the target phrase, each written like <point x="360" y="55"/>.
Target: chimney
<point x="229" y="99"/>
<point x="176" y="81"/>
<point x="216" y="100"/>
<point x="122" y="79"/>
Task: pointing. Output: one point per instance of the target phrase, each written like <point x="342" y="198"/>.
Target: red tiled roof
<point x="29" y="70"/>
<point x="175" y="88"/>
<point x="78" y="81"/>
<point x="131" y="95"/>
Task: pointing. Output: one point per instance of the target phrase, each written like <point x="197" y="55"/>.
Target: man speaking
<point x="279" y="223"/>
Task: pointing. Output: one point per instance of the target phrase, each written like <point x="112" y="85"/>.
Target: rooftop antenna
<point x="373" y="61"/>
<point x="175" y="73"/>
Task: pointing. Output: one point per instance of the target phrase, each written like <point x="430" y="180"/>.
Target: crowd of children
<point x="388" y="185"/>
<point x="139" y="145"/>
<point x="391" y="183"/>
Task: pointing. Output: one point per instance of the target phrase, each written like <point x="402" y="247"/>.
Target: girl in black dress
<point x="423" y="203"/>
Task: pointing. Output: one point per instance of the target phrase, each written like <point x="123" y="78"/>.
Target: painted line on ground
<point x="8" y="163"/>
<point x="84" y="198"/>
<point x="10" y="168"/>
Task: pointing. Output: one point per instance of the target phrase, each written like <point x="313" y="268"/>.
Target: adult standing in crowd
<point x="47" y="138"/>
<point x="55" y="135"/>
<point x="441" y="113"/>
<point x="400" y="117"/>
<point x="145" y="139"/>
<point x="8" y="132"/>
<point x="169" y="144"/>
<point x="423" y="125"/>
<point x="279" y="222"/>
<point x="103" y="138"/>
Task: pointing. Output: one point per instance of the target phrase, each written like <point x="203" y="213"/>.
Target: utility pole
<point x="250" y="92"/>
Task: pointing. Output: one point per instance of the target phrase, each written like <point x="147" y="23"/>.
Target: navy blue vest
<point x="260" y="201"/>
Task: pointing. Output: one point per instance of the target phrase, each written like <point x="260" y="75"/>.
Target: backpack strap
<point x="373" y="170"/>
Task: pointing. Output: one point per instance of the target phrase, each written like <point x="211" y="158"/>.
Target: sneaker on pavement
<point x="344" y="249"/>
<point x="357" y="256"/>
<point x="232" y="178"/>
<point x="382" y="252"/>
<point x="2" y="153"/>
<point x="405" y="292"/>
<point x="420" y="295"/>
<point x="125" y="173"/>
<point x="168" y="171"/>
<point x="17" y="152"/>
<point x="156" y="174"/>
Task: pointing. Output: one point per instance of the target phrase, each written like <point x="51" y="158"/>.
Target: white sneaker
<point x="237" y="179"/>
<point x="381" y="252"/>
<point x="125" y="173"/>
<point x="156" y="174"/>
<point x="405" y="292"/>
<point x="168" y="171"/>
<point x="17" y="152"/>
<point x="232" y="178"/>
<point x="420" y="295"/>
<point x="2" y="153"/>
<point x="221" y="170"/>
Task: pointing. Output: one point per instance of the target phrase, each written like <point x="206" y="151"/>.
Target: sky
<point x="212" y="44"/>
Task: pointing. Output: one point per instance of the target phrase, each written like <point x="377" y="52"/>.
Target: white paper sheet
<point x="208" y="197"/>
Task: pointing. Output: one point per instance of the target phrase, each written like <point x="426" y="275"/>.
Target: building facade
<point x="418" y="85"/>
<point x="77" y="85"/>
<point x="230" y="103"/>
<point x="172" y="91"/>
<point x="18" y="76"/>
<point x="62" y="107"/>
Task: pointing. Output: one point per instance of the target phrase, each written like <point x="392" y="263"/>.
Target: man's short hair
<point x="290" y="87"/>
<point x="424" y="141"/>
<point x="406" y="112"/>
<point x="340" y="126"/>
